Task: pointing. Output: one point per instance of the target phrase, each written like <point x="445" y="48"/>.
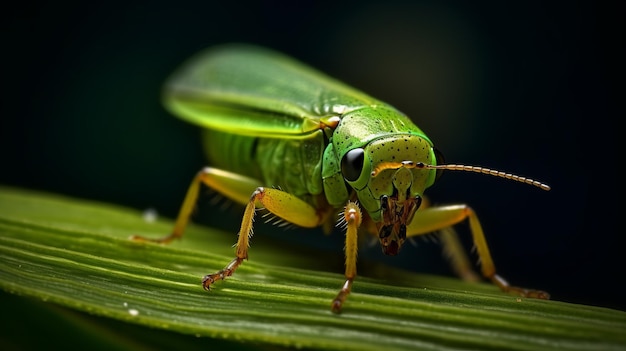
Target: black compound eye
<point x="352" y="164"/>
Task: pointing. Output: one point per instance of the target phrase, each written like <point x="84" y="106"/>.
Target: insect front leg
<point x="352" y="216"/>
<point x="436" y="218"/>
<point x="282" y="204"/>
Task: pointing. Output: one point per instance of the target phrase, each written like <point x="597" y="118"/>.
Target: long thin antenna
<point x="476" y="169"/>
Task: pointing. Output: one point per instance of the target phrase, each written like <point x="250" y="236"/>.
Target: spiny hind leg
<point x="239" y="189"/>
<point x="432" y="219"/>
<point x="282" y="204"/>
<point x="232" y="185"/>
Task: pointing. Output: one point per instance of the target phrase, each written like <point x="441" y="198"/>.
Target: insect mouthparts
<point x="392" y="249"/>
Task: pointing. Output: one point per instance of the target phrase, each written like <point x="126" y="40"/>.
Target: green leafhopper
<point x="303" y="146"/>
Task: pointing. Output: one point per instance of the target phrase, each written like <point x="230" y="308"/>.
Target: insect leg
<point x="453" y="250"/>
<point x="353" y="217"/>
<point x="436" y="218"/>
<point x="282" y="204"/>
<point x="455" y="253"/>
<point x="232" y="185"/>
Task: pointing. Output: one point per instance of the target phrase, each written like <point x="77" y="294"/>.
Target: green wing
<point x="248" y="90"/>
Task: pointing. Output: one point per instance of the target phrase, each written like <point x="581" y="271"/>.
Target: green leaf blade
<point x="77" y="254"/>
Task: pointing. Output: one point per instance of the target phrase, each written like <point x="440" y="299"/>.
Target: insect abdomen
<point x="293" y="165"/>
<point x="231" y="152"/>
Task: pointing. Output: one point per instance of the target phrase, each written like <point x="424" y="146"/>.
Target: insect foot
<point x="515" y="290"/>
<point x="222" y="274"/>
<point x="164" y="240"/>
<point x="335" y="307"/>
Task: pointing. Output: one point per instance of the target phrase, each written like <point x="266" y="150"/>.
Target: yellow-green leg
<point x="433" y="219"/>
<point x="454" y="251"/>
<point x="234" y="186"/>
<point x="352" y="216"/>
<point x="239" y="189"/>
<point x="282" y="204"/>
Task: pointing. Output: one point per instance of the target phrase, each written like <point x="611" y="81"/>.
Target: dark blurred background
<point x="530" y="88"/>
